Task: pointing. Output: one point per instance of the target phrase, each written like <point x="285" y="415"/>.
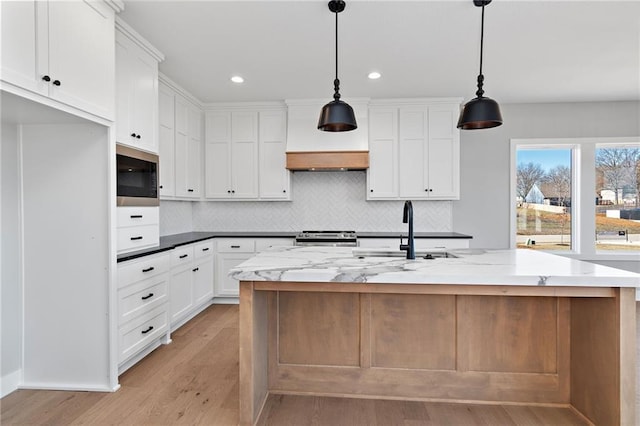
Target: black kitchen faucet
<point x="407" y="217"/>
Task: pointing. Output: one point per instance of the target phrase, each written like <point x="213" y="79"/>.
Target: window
<point x="543" y="186"/>
<point x="617" y="170"/>
<point x="576" y="196"/>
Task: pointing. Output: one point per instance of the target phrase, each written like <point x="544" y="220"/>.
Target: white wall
<point x="321" y="200"/>
<point x="483" y="208"/>
<point x="10" y="290"/>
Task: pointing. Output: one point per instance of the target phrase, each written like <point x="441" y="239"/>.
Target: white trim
<point x="179" y="90"/>
<point x="67" y="387"/>
<point x="583" y="187"/>
<point x="132" y="34"/>
<point x="10" y="382"/>
<point x="415" y="101"/>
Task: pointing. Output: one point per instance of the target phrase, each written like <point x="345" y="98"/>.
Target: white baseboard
<point x="9" y="383"/>
<point x="226" y="301"/>
<point x="67" y="387"/>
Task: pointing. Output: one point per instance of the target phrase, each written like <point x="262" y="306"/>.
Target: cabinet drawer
<point x="138" y="237"/>
<point x="182" y="255"/>
<point x="136" y="216"/>
<point x="143" y="268"/>
<point x="142" y="330"/>
<point x="235" y="245"/>
<point x="263" y="244"/>
<point x="139" y="298"/>
<point x="203" y="249"/>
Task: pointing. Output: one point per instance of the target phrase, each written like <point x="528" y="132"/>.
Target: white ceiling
<point x="535" y="51"/>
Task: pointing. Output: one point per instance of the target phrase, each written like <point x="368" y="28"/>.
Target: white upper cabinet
<point x="188" y="147"/>
<point x="136" y="90"/>
<point x="274" y="176"/>
<point x="245" y="155"/>
<point x="63" y="50"/>
<point x="231" y="155"/>
<point x="382" y="182"/>
<point x="414" y="152"/>
<point x="166" y="139"/>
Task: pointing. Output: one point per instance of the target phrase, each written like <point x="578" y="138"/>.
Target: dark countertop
<point x="169" y="242"/>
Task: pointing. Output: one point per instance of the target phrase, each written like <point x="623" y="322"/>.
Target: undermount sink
<point x="386" y="252"/>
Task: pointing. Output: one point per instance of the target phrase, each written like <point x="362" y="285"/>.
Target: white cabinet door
<point x="244" y="155"/>
<point x="203" y="281"/>
<point x="275" y="179"/>
<point x="81" y="57"/>
<point x="218" y="155"/>
<point x="225" y="285"/>
<point x="412" y="150"/>
<point x="187" y="152"/>
<point x="18" y="64"/>
<point x="194" y="152"/>
<point x="166" y="139"/>
<point x="136" y="95"/>
<point x="382" y="175"/>
<point x="180" y="295"/>
<point x="444" y="153"/>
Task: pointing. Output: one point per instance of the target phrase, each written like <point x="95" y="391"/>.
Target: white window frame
<point x="583" y="184"/>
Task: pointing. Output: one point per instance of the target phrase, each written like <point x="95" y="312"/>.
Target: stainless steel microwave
<point x="137" y="177"/>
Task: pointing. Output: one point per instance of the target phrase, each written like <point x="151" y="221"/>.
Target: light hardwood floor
<point x="194" y="380"/>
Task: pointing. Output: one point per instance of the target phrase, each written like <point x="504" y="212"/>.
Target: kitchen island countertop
<point x="517" y="267"/>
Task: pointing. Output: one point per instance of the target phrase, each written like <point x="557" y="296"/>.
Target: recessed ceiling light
<point x="374" y="75"/>
<point x="237" y="79"/>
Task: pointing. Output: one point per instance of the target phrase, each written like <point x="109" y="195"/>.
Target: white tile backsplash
<point x="321" y="200"/>
<point x="176" y="217"/>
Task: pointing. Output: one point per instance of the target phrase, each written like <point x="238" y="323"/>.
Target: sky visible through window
<point x="546" y="158"/>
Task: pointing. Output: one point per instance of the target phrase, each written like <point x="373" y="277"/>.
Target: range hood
<point x="311" y="149"/>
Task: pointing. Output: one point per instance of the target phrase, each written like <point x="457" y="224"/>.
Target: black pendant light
<point x="337" y="116"/>
<point x="480" y="112"/>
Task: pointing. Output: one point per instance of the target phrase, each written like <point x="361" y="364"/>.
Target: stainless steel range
<point x="327" y="238"/>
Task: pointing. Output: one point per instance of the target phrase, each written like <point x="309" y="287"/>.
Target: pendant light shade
<point x="480" y="112"/>
<point x="337" y="115"/>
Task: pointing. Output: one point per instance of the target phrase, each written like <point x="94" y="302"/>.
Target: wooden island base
<point x="544" y="346"/>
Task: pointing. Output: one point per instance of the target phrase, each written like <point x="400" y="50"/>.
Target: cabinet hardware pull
<point x="235" y="246"/>
<point x="430" y="190"/>
<point x="148" y="296"/>
<point x="183" y="256"/>
<point x="189" y="190"/>
<point x="147" y="330"/>
<point x="233" y="191"/>
<point x="195" y="269"/>
<point x="56" y="82"/>
<point x="160" y="187"/>
<point x="149" y="269"/>
<point x="284" y="190"/>
<point x="371" y="190"/>
<point x="133" y="135"/>
<point x="135" y="238"/>
<point x="229" y="192"/>
<point x="46" y="78"/>
<point x="137" y="136"/>
<point x="136" y="216"/>
<point x="205" y="249"/>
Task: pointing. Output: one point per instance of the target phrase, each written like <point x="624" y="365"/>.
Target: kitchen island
<point x="499" y="326"/>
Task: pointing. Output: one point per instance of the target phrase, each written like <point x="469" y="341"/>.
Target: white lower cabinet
<point x="143" y="317"/>
<point x="191" y="280"/>
<point x="231" y="252"/>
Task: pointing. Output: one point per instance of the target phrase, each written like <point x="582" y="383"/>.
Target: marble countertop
<point x="471" y="266"/>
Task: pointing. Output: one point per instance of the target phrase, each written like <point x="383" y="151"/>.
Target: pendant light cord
<point x="336" y="82"/>
<point x="480" y="92"/>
